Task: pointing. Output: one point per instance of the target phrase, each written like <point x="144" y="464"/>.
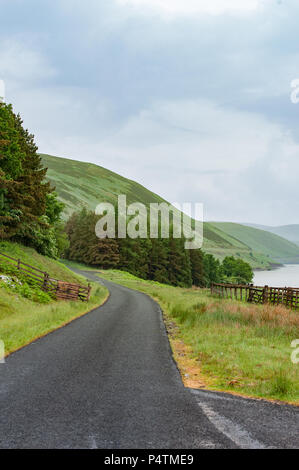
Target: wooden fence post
<point x="46" y="278"/>
<point x="89" y="291"/>
<point x="289" y="297"/>
<point x="19" y="264"/>
<point x="250" y="293"/>
<point x="266" y="295"/>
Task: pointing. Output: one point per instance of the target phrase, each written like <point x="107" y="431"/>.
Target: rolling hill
<point x="80" y="184"/>
<point x="289" y="232"/>
<point x="261" y="241"/>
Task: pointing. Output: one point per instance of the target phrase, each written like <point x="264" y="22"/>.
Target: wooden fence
<point x="288" y="296"/>
<point x="60" y="289"/>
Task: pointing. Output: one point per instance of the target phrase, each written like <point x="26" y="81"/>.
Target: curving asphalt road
<point x="108" y="380"/>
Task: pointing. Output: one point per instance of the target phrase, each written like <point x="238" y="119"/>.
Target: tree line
<point x="159" y="259"/>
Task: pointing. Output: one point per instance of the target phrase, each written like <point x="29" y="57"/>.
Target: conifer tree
<point x="197" y="268"/>
<point x="159" y="261"/>
<point x="24" y="192"/>
<point x="85" y="246"/>
<point x="179" y="269"/>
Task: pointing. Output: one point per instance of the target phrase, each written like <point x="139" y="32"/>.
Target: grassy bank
<point x="54" y="268"/>
<point x="26" y="312"/>
<point x="22" y="321"/>
<point x="226" y="345"/>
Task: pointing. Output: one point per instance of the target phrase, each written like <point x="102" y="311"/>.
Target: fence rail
<point x="288" y="296"/>
<point x="60" y="289"/>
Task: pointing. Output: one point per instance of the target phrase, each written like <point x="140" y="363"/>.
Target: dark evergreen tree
<point x="179" y="267"/>
<point x="197" y="268"/>
<point x="11" y="158"/>
<point x="142" y="248"/>
<point x="24" y="192"/>
<point x="128" y="258"/>
<point x="159" y="261"/>
<point x="85" y="246"/>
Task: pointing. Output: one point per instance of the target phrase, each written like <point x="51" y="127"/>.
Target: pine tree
<point x="179" y="269"/>
<point x="85" y="246"/>
<point x="197" y="268"/>
<point x="11" y="158"/>
<point x="128" y="257"/>
<point x="24" y="192"/>
<point x="159" y="261"/>
<point x="142" y="248"/>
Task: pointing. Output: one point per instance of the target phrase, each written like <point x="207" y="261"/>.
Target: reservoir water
<point x="287" y="276"/>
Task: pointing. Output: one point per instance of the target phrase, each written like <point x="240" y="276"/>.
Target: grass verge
<point x="22" y="321"/>
<point x="27" y="312"/>
<point x="226" y="345"/>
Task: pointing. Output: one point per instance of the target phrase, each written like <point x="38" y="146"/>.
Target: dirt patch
<point x="188" y="365"/>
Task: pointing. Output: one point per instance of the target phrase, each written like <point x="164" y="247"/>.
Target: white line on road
<point x="214" y="396"/>
<point x="233" y="431"/>
<point x="93" y="443"/>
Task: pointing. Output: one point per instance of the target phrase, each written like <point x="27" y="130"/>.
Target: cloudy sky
<point x="191" y="98"/>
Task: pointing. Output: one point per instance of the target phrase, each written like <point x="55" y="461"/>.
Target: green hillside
<point x="261" y="241"/>
<point x="81" y="184"/>
<point x="289" y="232"/>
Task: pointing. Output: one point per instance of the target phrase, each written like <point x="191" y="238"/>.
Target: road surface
<point x="108" y="380"/>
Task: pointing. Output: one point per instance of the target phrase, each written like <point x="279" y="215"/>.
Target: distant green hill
<point x="261" y="241"/>
<point x="80" y="184"/>
<point x="290" y="232"/>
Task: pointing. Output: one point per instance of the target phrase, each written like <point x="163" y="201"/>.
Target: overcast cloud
<point x="190" y="98"/>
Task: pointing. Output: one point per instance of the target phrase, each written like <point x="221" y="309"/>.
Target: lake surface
<point x="287" y="276"/>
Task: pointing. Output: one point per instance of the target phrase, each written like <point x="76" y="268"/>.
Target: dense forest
<point x="163" y="260"/>
<point x="30" y="213"/>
